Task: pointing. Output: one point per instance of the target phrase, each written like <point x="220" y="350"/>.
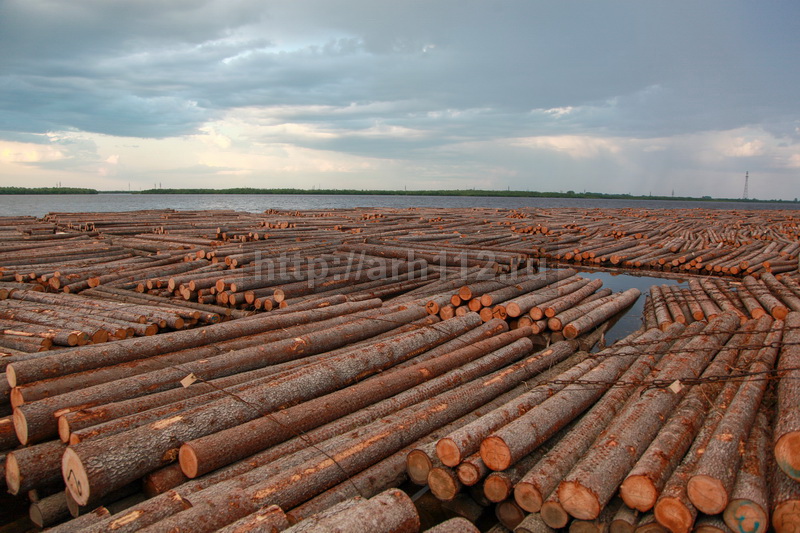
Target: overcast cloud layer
<point x="614" y="96"/>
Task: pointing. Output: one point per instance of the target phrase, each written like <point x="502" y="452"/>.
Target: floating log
<point x="787" y="425"/>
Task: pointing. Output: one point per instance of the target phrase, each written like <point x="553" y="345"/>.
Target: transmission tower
<point x="746" y="179"/>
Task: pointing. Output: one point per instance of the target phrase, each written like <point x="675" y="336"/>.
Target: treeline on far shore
<point x="369" y="192"/>
<point x="47" y="190"/>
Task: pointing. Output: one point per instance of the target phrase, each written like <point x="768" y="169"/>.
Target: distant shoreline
<point x="367" y="192"/>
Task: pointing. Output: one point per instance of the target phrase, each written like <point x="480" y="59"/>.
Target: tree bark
<point x="787" y="424"/>
<point x="593" y="481"/>
<point x="710" y="487"/>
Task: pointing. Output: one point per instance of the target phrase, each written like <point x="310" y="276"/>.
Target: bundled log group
<point x="286" y="370"/>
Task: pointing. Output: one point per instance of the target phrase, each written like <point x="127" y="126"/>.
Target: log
<point x="624" y="521"/>
<point x="267" y="519"/>
<point x="710" y="487"/>
<point x="92" y="357"/>
<point x="50" y="510"/>
<point x="453" y="448"/>
<point x="509" y="514"/>
<point x="543" y="478"/>
<point x="224" y="447"/>
<point x="454" y="525"/>
<point x="519" y="438"/>
<point x="533" y="523"/>
<point x="444" y="483"/>
<point x="84" y="463"/>
<point x="642" y="485"/>
<point x="34" y="467"/>
<point x="601" y="313"/>
<point x="390" y="511"/>
<point x="523" y="304"/>
<point x="282" y="487"/>
<point x="787" y="424"/>
<point x="80" y="524"/>
<point x="593" y="481"/>
<point x="673" y="508"/>
<point x="785" y="498"/>
<point x="748" y="508"/>
<point x="36" y="421"/>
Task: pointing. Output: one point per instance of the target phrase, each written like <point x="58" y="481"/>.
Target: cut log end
<point x="468" y="474"/>
<point x="785" y="517"/>
<point x="187" y="458"/>
<point x="570" y="331"/>
<point x="745" y="515"/>
<point x="787" y="454"/>
<point x="11" y="376"/>
<point x="443" y="485"/>
<point x="16" y="398"/>
<point x="638" y="492"/>
<point x="75" y="476"/>
<point x="418" y="465"/>
<point x="448" y="453"/>
<point x="674" y="515"/>
<point x="578" y="500"/>
<point x="707" y="494"/>
<point x="528" y="497"/>
<point x="496" y="489"/>
<point x="554" y="515"/>
<point x="63" y="429"/>
<point x="495" y="453"/>
<point x="13" y="478"/>
<point x="513" y="310"/>
<point x="20" y="425"/>
<point x="509" y="514"/>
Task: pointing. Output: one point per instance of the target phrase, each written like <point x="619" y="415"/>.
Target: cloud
<point x="478" y="91"/>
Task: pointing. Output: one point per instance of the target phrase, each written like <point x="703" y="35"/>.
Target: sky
<point x="653" y="97"/>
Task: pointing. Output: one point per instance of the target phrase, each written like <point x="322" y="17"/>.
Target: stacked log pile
<point x="679" y="421"/>
<point x="313" y="360"/>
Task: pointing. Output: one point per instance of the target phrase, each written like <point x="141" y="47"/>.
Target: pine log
<point x="553" y="307"/>
<point x="601" y="313"/>
<point x="775" y="307"/>
<point x="454" y="525"/>
<point x="673" y="508"/>
<point x="444" y="483"/>
<point x="224" y="447"/>
<point x="533" y="523"/>
<point x="624" y="520"/>
<point x="553" y="512"/>
<point x="509" y="514"/>
<point x="50" y="510"/>
<point x="544" y="477"/>
<point x="91" y="357"/>
<point x="710" y="487"/>
<point x="80" y="524"/>
<point x="267" y="519"/>
<point x="390" y="511"/>
<point x="87" y="460"/>
<point x="785" y="499"/>
<point x="343" y="456"/>
<point x="593" y="481"/>
<point x="519" y="438"/>
<point x="170" y="503"/>
<point x="36" y="421"/>
<point x="748" y="509"/>
<point x="787" y="423"/>
<point x="642" y="485"/>
<point x="34" y="467"/>
<point x="453" y="448"/>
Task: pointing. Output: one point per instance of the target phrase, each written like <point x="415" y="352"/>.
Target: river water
<point x="39" y="205"/>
